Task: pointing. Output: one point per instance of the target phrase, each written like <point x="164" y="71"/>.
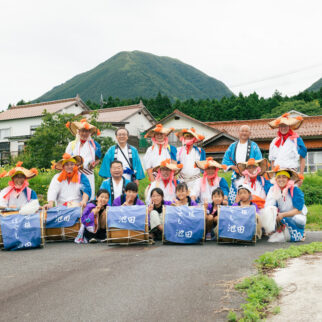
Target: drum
<point x="62" y="223"/>
<point x="21" y="231"/>
<point x="127" y="225"/>
<point x="236" y="224"/>
<point x="184" y="225"/>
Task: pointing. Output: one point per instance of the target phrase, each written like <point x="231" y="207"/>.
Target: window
<point x="33" y="129"/>
<point x="173" y="140"/>
<point x="4" y="133"/>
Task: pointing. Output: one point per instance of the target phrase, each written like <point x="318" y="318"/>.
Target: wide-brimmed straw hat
<point x="159" y="129"/>
<point x="18" y="169"/>
<point x="262" y="163"/>
<point x="77" y="159"/>
<point x="293" y="174"/>
<point x="73" y="127"/>
<point x="171" y="165"/>
<point x="209" y="163"/>
<point x="293" y="122"/>
<point x="191" y="131"/>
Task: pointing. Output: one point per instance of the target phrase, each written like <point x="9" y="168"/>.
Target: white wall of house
<point x="72" y="110"/>
<point x="138" y="123"/>
<point x="185" y="123"/>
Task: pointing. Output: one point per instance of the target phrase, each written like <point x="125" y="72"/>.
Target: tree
<point x="52" y="137"/>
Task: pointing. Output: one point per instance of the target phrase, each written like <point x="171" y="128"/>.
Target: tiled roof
<point x="121" y="113"/>
<point x="116" y="114"/>
<point x="34" y="110"/>
<point x="312" y="126"/>
<point x="177" y="112"/>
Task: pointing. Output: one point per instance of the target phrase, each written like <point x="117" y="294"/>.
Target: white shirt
<point x="14" y="199"/>
<point x="153" y="159"/>
<point x="168" y="196"/>
<point x="286" y="155"/>
<point x="86" y="151"/>
<point x="62" y="192"/>
<point x="121" y="158"/>
<point x="283" y="205"/>
<point x="205" y="196"/>
<point x="188" y="161"/>
<point x="117" y="188"/>
<point x="257" y="190"/>
<point x="241" y="152"/>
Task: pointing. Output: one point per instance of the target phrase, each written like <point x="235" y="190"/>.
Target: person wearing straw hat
<point x="127" y="154"/>
<point x="285" y="209"/>
<point x="188" y="154"/>
<point x="160" y="150"/>
<point x="70" y="187"/>
<point x="18" y="195"/>
<point x="287" y="149"/>
<point x="210" y="180"/>
<point x="165" y="180"/>
<point x="86" y="147"/>
<point x="253" y="176"/>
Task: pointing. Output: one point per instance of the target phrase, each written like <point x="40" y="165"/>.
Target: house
<point x="19" y="122"/>
<point x="135" y="118"/>
<point x="262" y="134"/>
<point x="180" y="120"/>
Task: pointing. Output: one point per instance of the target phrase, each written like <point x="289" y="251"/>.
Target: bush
<point x="312" y="188"/>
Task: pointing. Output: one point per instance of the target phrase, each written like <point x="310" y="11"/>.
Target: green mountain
<point x="136" y="73"/>
<point x="315" y="86"/>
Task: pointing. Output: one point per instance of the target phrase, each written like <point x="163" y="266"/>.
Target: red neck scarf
<point x="283" y="137"/>
<point x="70" y="177"/>
<point x="214" y="180"/>
<point x="14" y="188"/>
<point x="161" y="145"/>
<point x="82" y="141"/>
<point x="252" y="178"/>
<point x="188" y="143"/>
<point x="167" y="181"/>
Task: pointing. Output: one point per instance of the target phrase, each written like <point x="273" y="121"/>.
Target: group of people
<point x="182" y="176"/>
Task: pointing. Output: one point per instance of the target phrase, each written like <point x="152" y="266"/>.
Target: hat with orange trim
<point x="18" y="169"/>
<point x="209" y="163"/>
<point x="171" y="165"/>
<point x="77" y="159"/>
<point x="158" y="129"/>
<point x="262" y="163"/>
<point x="191" y="131"/>
<point x="290" y="173"/>
<point x="74" y="127"/>
<point x="293" y="122"/>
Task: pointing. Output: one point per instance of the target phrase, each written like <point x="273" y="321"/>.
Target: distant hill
<point x="136" y="73"/>
<point x="315" y="86"/>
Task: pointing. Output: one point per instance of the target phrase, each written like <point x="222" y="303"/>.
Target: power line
<point x="275" y="76"/>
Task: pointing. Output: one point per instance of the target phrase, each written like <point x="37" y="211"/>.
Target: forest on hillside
<point x="233" y="108"/>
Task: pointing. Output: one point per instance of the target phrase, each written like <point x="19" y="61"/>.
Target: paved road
<point x="68" y="282"/>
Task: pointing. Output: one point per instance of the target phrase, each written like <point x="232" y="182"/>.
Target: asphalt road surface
<point x="69" y="282"/>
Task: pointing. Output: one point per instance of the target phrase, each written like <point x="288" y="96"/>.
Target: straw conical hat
<point x="159" y="129"/>
<point x="293" y="122"/>
<point x="19" y="169"/>
<point x="66" y="158"/>
<point x="191" y="131"/>
<point x="82" y="124"/>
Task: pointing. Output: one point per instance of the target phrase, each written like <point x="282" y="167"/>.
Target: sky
<point x="250" y="45"/>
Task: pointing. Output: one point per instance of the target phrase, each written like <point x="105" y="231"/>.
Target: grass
<point x="314" y="218"/>
<point x="278" y="257"/>
<point x="262" y="290"/>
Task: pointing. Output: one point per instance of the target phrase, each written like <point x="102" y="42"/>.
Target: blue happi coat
<point x="109" y="158"/>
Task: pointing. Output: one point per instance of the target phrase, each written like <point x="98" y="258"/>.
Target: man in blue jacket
<point x="238" y="152"/>
<point x="127" y="154"/>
